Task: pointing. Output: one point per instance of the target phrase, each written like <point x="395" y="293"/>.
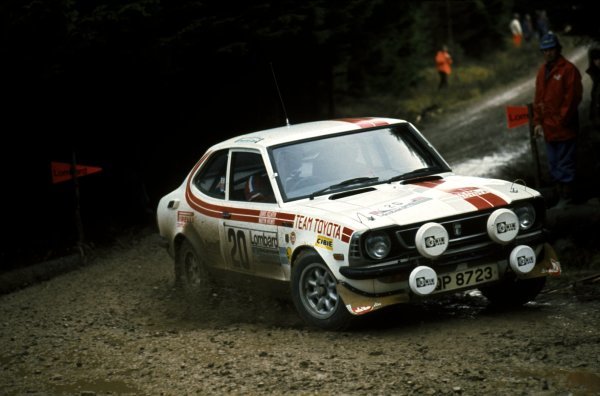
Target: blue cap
<point x="549" y="40"/>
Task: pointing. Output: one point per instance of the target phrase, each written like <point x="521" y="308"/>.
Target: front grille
<point x="462" y="231"/>
<point x="468" y="240"/>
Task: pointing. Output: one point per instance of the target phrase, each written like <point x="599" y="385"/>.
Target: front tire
<point x="514" y="292"/>
<point x="315" y="295"/>
<point x="192" y="277"/>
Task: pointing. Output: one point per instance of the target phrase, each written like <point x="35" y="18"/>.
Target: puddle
<point x="589" y="382"/>
<point x="485" y="165"/>
<point x="98" y="387"/>
<point x="578" y="382"/>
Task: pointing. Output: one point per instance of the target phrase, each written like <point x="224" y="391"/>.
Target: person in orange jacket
<point x="443" y="60"/>
<point x="558" y="92"/>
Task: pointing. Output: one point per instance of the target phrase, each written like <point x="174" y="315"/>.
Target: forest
<point x="142" y="88"/>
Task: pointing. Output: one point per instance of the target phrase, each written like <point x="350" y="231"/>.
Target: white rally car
<point x="352" y="215"/>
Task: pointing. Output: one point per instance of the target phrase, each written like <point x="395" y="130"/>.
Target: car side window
<point x="250" y="181"/>
<point x="211" y="178"/>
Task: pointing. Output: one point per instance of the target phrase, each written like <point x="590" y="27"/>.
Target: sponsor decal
<point x="363" y="309"/>
<point x="524" y="260"/>
<point x="478" y="197"/>
<point x="263" y="242"/>
<point x="267" y="217"/>
<point x="556" y="269"/>
<point x="284" y="255"/>
<point x="394" y="207"/>
<point x="424" y="282"/>
<point x="503" y="227"/>
<point x="432" y="241"/>
<point x="323" y="227"/>
<point x="184" y="217"/>
<point x="249" y="139"/>
<point x="293" y="237"/>
<point x="324" y="242"/>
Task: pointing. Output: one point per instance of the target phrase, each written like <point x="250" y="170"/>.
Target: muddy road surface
<point x="117" y="326"/>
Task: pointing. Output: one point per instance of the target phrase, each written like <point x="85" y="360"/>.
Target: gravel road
<point x="117" y="326"/>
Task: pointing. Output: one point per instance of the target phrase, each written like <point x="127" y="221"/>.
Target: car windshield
<point x="352" y="160"/>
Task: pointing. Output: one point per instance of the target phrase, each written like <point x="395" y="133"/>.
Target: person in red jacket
<point x="443" y="60"/>
<point x="558" y="92"/>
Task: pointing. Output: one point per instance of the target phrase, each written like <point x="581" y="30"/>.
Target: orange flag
<point x="516" y="116"/>
<point x="61" y="171"/>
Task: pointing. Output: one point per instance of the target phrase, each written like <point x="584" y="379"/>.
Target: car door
<point x="249" y="240"/>
<point x="208" y="189"/>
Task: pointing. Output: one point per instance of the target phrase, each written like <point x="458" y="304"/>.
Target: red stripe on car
<point x="366" y="122"/>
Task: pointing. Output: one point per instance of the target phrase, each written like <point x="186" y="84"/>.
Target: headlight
<point x="378" y="245"/>
<point x="526" y="215"/>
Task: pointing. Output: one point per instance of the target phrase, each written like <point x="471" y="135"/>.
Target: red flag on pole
<point x="516" y="116"/>
<point x="61" y="171"/>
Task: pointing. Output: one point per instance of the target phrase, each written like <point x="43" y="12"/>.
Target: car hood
<point x="397" y="203"/>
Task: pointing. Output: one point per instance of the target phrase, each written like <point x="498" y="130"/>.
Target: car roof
<point x="307" y="130"/>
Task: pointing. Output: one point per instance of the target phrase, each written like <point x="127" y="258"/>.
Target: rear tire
<point x="192" y="276"/>
<point x="514" y="292"/>
<point x="315" y="295"/>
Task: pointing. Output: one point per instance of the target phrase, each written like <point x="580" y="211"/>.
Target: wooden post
<point x="534" y="150"/>
<point x="79" y="223"/>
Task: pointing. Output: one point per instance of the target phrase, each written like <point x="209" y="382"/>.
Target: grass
<point x="469" y="81"/>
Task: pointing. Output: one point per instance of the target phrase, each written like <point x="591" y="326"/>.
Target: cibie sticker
<point x="324" y="242"/>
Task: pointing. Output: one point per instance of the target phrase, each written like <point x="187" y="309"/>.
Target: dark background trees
<point x="142" y="88"/>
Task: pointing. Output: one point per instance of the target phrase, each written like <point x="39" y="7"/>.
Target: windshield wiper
<point x="350" y="182"/>
<point x="413" y="174"/>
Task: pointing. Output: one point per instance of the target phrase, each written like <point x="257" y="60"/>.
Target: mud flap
<point x="548" y="266"/>
<point x="357" y="304"/>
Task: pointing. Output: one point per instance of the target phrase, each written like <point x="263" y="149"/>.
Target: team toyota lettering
<point x="323" y="227"/>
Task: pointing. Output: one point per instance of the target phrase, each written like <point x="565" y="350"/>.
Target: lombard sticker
<point x="324" y="242"/>
<point x="293" y="238"/>
<point x="263" y="242"/>
<point x="184" y="217"/>
<point x="394" y="207"/>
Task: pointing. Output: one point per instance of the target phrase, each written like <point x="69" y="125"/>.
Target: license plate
<point x="466" y="278"/>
